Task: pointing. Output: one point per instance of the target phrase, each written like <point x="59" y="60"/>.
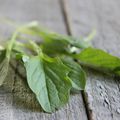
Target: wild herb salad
<point x="50" y="66"/>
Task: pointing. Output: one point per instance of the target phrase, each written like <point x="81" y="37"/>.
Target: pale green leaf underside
<point x="48" y="80"/>
<point x="99" y="59"/>
<point x="77" y="75"/>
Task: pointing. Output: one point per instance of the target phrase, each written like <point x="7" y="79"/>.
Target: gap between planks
<point x="102" y="93"/>
<point x="66" y="17"/>
<point x="75" y="109"/>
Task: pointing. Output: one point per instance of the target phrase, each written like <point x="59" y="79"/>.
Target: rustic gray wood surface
<point x="102" y="92"/>
<point x="75" y="17"/>
<point x="17" y="102"/>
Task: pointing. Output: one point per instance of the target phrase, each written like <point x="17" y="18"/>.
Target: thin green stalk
<point x="15" y="34"/>
<point x="11" y="43"/>
<point x="35" y="47"/>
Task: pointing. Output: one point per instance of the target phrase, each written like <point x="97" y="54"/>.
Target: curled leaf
<point x="76" y="75"/>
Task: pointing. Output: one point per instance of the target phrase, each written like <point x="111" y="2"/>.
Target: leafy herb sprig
<point x="50" y="67"/>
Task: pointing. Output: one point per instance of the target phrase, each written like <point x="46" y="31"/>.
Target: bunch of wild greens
<point x="50" y="66"/>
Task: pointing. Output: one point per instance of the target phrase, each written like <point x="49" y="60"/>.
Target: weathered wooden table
<point x="101" y="100"/>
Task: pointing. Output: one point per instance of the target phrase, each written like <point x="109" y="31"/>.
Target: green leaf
<point x="99" y="59"/>
<point x="2" y="55"/>
<point x="53" y="44"/>
<point x="5" y="59"/>
<point x="52" y="40"/>
<point x="77" y="74"/>
<point x="56" y="43"/>
<point x="48" y="79"/>
<point x="4" y="65"/>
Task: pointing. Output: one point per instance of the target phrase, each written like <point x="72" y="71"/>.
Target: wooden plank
<point x="6" y="106"/>
<point x="22" y="102"/>
<point x="102" y="92"/>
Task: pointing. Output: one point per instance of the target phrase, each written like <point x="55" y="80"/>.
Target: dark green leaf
<point x="56" y="43"/>
<point x="2" y="55"/>
<point x="99" y="59"/>
<point x="4" y="65"/>
<point x="48" y="79"/>
<point x="77" y="75"/>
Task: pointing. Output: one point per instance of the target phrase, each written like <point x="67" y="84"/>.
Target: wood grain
<point x="18" y="102"/>
<point x="102" y="92"/>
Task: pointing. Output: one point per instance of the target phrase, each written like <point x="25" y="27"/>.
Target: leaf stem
<point x="15" y="34"/>
<point x="11" y="43"/>
<point x="35" y="47"/>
